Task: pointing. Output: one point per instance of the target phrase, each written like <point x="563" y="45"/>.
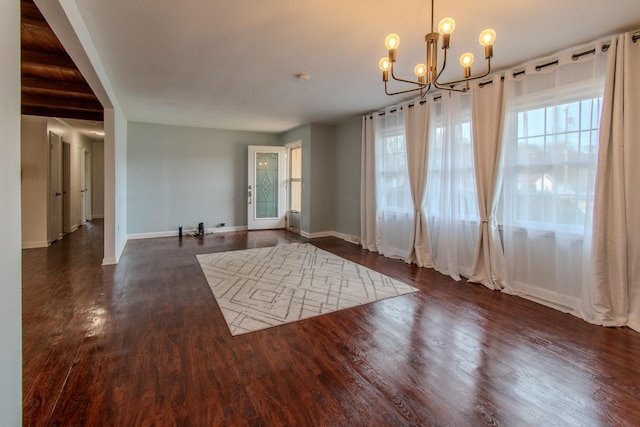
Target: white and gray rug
<point x="260" y="288"/>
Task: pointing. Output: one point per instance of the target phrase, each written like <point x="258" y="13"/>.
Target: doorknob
<point x="58" y="194"/>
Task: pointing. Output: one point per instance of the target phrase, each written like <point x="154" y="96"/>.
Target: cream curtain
<point x="616" y="246"/>
<point x="415" y="122"/>
<point x="368" y="187"/>
<point x="486" y="100"/>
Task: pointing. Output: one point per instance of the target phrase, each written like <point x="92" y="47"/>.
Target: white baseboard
<point x="34" y="245"/>
<point x="346" y="237"/>
<point x="225" y="229"/>
<point x="109" y="261"/>
<point x="317" y="235"/>
<point x="174" y="233"/>
<point x="119" y="254"/>
<point x="137" y="236"/>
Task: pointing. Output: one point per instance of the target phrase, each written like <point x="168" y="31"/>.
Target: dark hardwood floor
<point x="143" y="343"/>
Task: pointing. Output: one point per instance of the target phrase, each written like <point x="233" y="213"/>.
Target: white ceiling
<point x="232" y="64"/>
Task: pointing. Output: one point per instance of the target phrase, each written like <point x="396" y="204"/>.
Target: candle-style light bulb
<point x="392" y="41"/>
<point x="384" y="65"/>
<point x="466" y="60"/>
<point x="487" y="37"/>
<point x="446" y="26"/>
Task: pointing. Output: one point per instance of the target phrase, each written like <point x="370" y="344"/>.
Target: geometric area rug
<point x="265" y="287"/>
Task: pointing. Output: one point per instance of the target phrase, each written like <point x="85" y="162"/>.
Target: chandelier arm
<point x="444" y="65"/>
<point x="451" y="88"/>
<point x="468" y="79"/>
<point x="399" y="79"/>
<point x="386" y="90"/>
<point x="423" y="94"/>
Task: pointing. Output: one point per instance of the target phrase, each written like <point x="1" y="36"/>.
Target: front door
<point x="267" y="188"/>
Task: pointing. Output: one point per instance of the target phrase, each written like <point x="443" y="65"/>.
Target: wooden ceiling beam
<point x="44" y="64"/>
<point x="32" y="57"/>
<point x="55" y="85"/>
<point x="30" y="14"/>
<point x="56" y="102"/>
<point x="62" y="113"/>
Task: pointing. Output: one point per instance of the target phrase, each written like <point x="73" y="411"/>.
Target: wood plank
<point x="57" y="86"/>
<point x="60" y="102"/>
<point x="145" y="343"/>
<point x="92" y="115"/>
<point x="32" y="57"/>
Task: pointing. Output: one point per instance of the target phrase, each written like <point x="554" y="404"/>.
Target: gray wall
<point x="183" y="176"/>
<point x="318" y="155"/>
<point x="10" y="252"/>
<point x="180" y="176"/>
<point x="322" y="179"/>
<point x="347" y="176"/>
<point x="303" y="134"/>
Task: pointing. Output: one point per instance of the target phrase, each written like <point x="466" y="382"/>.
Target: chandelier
<point x="428" y="74"/>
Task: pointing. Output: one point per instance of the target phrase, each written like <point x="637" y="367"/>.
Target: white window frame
<point x="290" y="147"/>
<point x="583" y="91"/>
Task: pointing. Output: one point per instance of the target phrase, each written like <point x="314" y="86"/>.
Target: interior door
<point x="66" y="187"/>
<point x="55" y="208"/>
<point x="87" y="186"/>
<point x="82" y="185"/>
<point x="267" y="187"/>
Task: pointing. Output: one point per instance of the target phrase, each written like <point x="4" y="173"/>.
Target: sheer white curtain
<point x="368" y="187"/>
<point x="451" y="200"/>
<point x="616" y="284"/>
<point x="550" y="141"/>
<point x="386" y="206"/>
<point x="486" y="101"/>
<point x="415" y="121"/>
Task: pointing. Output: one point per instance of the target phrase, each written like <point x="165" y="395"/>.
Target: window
<point x="394" y="170"/>
<point x="295" y="178"/>
<point x="555" y="164"/>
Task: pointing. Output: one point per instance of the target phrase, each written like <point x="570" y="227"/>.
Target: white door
<point x="267" y="188"/>
<point x="87" y="186"/>
<point x="66" y="187"/>
<point x="55" y="211"/>
<point x="82" y="185"/>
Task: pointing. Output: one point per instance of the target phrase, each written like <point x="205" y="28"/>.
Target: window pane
<point x="555" y="170"/>
<point x="296" y="162"/>
<point x="266" y="192"/>
<point x="396" y="179"/>
<point x="296" y="195"/>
